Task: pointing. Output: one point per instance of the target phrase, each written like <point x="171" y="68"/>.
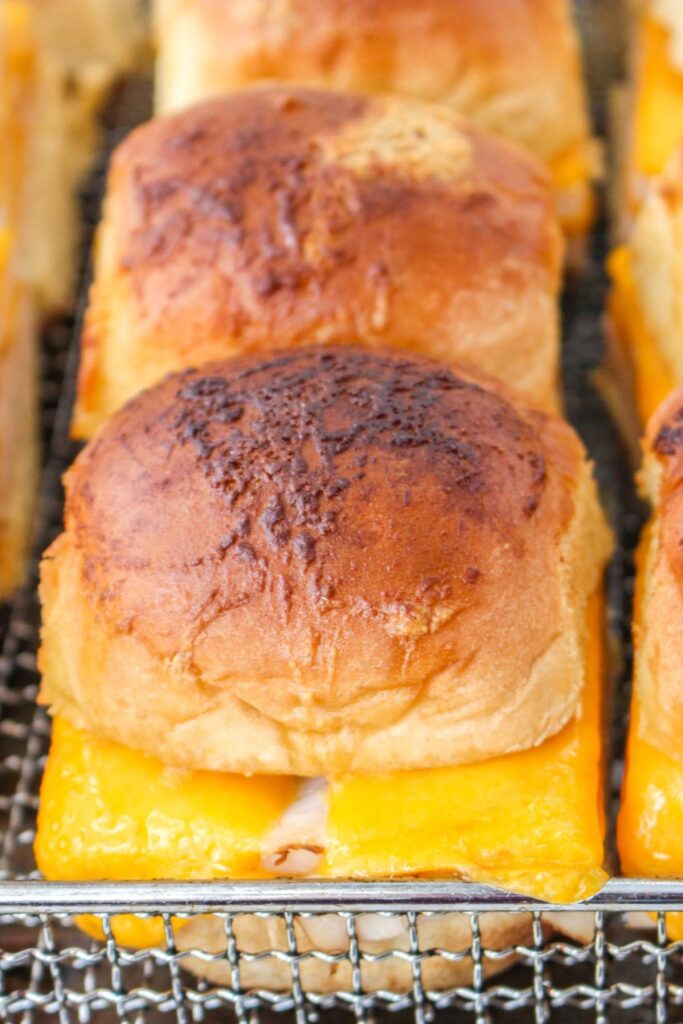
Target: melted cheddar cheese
<point x="650" y="829"/>
<point x="650" y="824"/>
<point x="658" y="114"/>
<point x="653" y="378"/>
<point x="531" y="821"/>
<point x="572" y="173"/>
<point x="107" y="811"/>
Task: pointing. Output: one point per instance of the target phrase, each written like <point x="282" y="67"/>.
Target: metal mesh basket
<point x="624" y="969"/>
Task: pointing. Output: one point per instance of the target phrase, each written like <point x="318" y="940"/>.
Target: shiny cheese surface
<point x="658" y="115"/>
<point x="650" y="829"/>
<point x="653" y="378"/>
<point x="107" y="811"/>
<point x="650" y="824"/>
<point x="531" y="821"/>
<point x="651" y="817"/>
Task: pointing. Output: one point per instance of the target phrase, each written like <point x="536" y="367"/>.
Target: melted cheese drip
<point x="531" y="821"/>
<point x="653" y="377"/>
<point x="658" y="114"/>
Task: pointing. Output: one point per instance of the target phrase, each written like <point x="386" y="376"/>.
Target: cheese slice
<point x="650" y="824"/>
<point x="107" y="811"/>
<point x="658" y="113"/>
<point x="653" y="378"/>
<point x="650" y="829"/>
<point x="531" y="821"/>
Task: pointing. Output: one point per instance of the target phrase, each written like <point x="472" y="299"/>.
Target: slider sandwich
<point x="331" y="613"/>
<point x="650" y="829"/>
<point x="514" y="68"/>
<point x="293" y="217"/>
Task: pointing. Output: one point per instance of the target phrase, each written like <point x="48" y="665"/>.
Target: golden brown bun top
<point x="659" y="607"/>
<point x="324" y="560"/>
<point x="281" y="217"/>
<point x="512" y="65"/>
<point x="282" y="176"/>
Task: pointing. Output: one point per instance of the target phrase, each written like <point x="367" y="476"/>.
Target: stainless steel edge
<point x="38" y="897"/>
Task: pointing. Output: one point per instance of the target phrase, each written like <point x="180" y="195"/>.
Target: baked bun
<point x="281" y="217"/>
<point x="376" y="934"/>
<point x="329" y="933"/>
<point x="514" y="68"/>
<point x="320" y="561"/>
<point x="658" y="672"/>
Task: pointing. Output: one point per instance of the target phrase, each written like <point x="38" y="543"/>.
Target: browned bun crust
<point x="450" y="932"/>
<point x="280" y="217"/>
<point x="320" y="561"/>
<point x="658" y="669"/>
<point x="514" y="67"/>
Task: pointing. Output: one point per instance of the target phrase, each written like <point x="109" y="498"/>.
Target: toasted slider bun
<point x="650" y="828"/>
<point x="645" y="306"/>
<point x="315" y="562"/>
<point x="282" y="217"/>
<point x="514" y="68"/>
<point x="658" y="668"/>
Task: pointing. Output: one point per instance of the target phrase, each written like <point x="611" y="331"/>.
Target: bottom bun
<point x="328" y="933"/>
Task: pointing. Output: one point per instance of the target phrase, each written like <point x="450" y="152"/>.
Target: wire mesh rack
<point x="414" y="949"/>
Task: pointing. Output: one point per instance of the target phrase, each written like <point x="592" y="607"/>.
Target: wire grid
<point x="49" y="969"/>
<point x="626" y="972"/>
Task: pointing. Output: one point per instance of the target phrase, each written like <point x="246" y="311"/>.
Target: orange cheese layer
<point x="572" y="173"/>
<point x="652" y="377"/>
<point x="107" y="811"/>
<point x="531" y="821"/>
<point x="658" y="114"/>
<point x="650" y="830"/>
<point x="650" y="824"/>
